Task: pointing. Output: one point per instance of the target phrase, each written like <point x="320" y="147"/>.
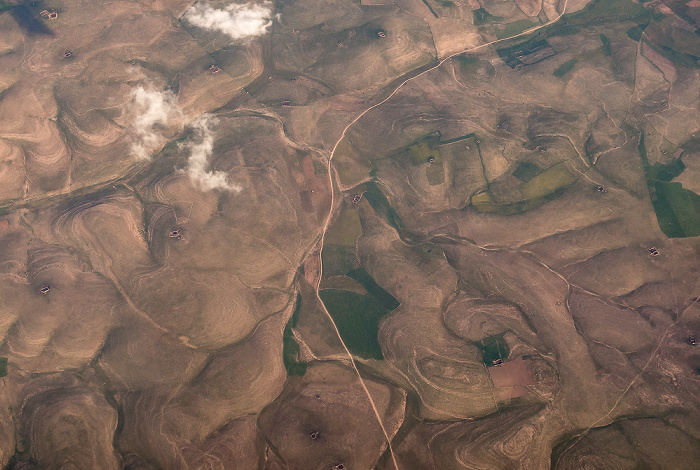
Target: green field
<point x="665" y="172"/>
<point x="565" y="29"/>
<point x="357" y="318"/>
<point x="381" y="205"/>
<point x="541" y="188"/>
<point x="511" y="55"/>
<point x="525" y="171"/>
<point x="603" y="11"/>
<point x="596" y="12"/>
<point x="383" y="297"/>
<point x="481" y="16"/>
<point x="466" y="62"/>
<point x="565" y="68"/>
<point x="320" y="168"/>
<point x="423" y="150"/>
<point x="493" y="348"/>
<point x="686" y="60"/>
<point x="677" y="209"/>
<point x="346" y="228"/>
<point x="635" y="32"/>
<point x="338" y="259"/>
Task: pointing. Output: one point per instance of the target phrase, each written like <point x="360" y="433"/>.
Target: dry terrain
<point x="344" y="234"/>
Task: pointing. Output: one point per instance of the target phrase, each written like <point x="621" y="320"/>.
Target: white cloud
<point x="201" y="149"/>
<point x="152" y="108"/>
<point x="237" y="21"/>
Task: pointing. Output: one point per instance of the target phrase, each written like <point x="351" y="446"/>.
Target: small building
<point x="286" y="103"/>
<point x="381" y="34"/>
<point x="175" y="233"/>
<point x="214" y="69"/>
<point x="356" y="198"/>
<point x="67" y="54"/>
<point x="45" y="289"/>
<point x="653" y="251"/>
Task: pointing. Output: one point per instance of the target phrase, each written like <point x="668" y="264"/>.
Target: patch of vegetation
<point x="427" y="4"/>
<point x="3" y="366"/>
<point x="465" y="62"/>
<point x="381" y="205"/>
<point x="357" y="318"/>
<point x="563" y="29"/>
<point x="546" y="186"/>
<point x="4" y="6"/>
<point x="677" y="209"/>
<point x="686" y="60"/>
<point x="525" y="171"/>
<point x="473" y="65"/>
<point x="549" y="184"/>
<point x="692" y="144"/>
<point x="516" y="27"/>
<point x="25" y="18"/>
<point x="493" y="348"/>
<point x="607" y="45"/>
<point x="512" y="55"/>
<point x="481" y="16"/>
<point x="596" y="12"/>
<point x="290" y="348"/>
<point x="423" y="150"/>
<point x="565" y="68"/>
<point x="657" y="16"/>
<point x="484" y="202"/>
<point x="387" y="300"/>
<point x="320" y="168"/>
<point x="635" y="32"/>
<point x="666" y="171"/>
<point x="346" y="228"/>
<point x="446" y="3"/>
<point x="338" y="259"/>
<point x="603" y="11"/>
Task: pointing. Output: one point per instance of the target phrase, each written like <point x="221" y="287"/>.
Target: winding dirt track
<point x="329" y="218"/>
